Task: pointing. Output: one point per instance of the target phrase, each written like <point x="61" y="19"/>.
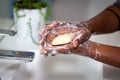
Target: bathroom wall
<point x="78" y="10"/>
<point x="96" y="6"/>
<point x="4" y="8"/>
<point x="70" y="10"/>
<point x="81" y="10"/>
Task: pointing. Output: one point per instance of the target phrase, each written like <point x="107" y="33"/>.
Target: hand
<point x="84" y="49"/>
<point x="48" y="33"/>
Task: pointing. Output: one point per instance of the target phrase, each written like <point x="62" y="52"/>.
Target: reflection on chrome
<point x="17" y="55"/>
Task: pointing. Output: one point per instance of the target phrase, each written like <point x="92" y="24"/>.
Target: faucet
<point x="4" y="33"/>
<point x="7" y="32"/>
<point x="12" y="54"/>
<point x="26" y="56"/>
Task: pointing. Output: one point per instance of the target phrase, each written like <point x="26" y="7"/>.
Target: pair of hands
<point x="77" y="45"/>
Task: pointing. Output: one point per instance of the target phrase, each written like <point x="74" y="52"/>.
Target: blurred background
<point x="77" y="10"/>
<point x="71" y="67"/>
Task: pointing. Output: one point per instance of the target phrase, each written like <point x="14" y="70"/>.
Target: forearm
<point x="106" y="21"/>
<point x="103" y="53"/>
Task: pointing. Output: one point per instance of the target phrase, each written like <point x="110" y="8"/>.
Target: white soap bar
<point x="63" y="39"/>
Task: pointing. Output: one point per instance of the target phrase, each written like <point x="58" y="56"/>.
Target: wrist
<point x="85" y="49"/>
<point x="91" y="49"/>
<point x="85" y="25"/>
<point x="86" y="31"/>
<point x="88" y="49"/>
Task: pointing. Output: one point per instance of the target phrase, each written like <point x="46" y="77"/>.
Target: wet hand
<point x="47" y="34"/>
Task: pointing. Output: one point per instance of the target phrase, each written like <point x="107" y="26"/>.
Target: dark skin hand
<point x="58" y="28"/>
<point x="105" y="22"/>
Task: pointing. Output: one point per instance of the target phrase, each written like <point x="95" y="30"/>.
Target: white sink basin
<point x="9" y="69"/>
<point x="71" y="67"/>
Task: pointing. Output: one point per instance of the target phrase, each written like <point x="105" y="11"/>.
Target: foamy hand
<point x="73" y="34"/>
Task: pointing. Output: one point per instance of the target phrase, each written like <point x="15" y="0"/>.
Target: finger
<point x="52" y="25"/>
<point x="75" y="43"/>
<point x="39" y="37"/>
<point x="85" y="36"/>
<point x="42" y="36"/>
<point x="49" y="50"/>
<point x="45" y="50"/>
<point x="43" y="31"/>
<point x="42" y="41"/>
<point x="79" y="38"/>
<point x="53" y="50"/>
<point x="66" y="49"/>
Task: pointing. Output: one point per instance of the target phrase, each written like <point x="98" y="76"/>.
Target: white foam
<point x="97" y="54"/>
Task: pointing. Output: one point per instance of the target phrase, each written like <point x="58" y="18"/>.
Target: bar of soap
<point x="63" y="39"/>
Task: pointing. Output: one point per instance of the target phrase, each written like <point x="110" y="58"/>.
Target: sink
<point x="9" y="69"/>
<point x="111" y="73"/>
<point x="71" y="67"/>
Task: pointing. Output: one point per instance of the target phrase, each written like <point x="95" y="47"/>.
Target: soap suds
<point x="78" y="35"/>
<point x="97" y="54"/>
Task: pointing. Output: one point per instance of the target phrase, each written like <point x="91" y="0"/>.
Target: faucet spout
<point x="17" y="55"/>
<point x="7" y="32"/>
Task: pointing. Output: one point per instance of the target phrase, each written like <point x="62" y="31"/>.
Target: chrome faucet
<point x="26" y="56"/>
<point x="4" y="33"/>
<point x="12" y="54"/>
<point x="7" y="32"/>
